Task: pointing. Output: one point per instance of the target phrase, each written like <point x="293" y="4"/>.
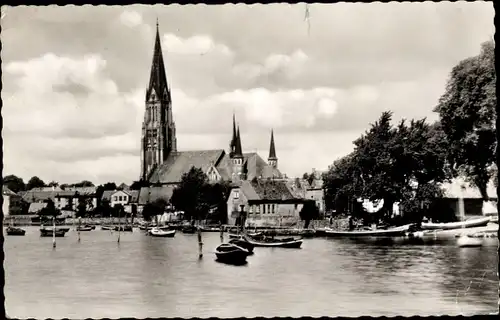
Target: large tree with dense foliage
<point x="467" y="115"/>
<point x="190" y="195"/>
<point x="14" y="183"/>
<point x="397" y="164"/>
<point x="309" y="212"/>
<point x="35" y="182"/>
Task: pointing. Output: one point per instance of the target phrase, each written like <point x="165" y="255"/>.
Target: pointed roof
<point x="237" y="150"/>
<point x="272" y="149"/>
<point x="158" y="77"/>
<point x="232" y="146"/>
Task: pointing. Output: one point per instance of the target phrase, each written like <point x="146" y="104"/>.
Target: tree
<point x="153" y="209"/>
<point x="108" y="186"/>
<point x="190" y="195"/>
<point x="49" y="210"/>
<point x="83" y="184"/>
<point x="14" y="183"/>
<point x="309" y="212"/>
<point x="216" y="197"/>
<point x="467" y="115"/>
<point x="35" y="182"/>
<point x="53" y="184"/>
<point x="81" y="208"/>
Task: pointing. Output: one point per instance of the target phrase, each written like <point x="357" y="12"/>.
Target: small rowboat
<point x="157" y="232"/>
<point x="274" y="243"/>
<point x="189" y="229"/>
<point x="60" y="232"/>
<point x="231" y="254"/>
<point x="85" y="228"/>
<point x="244" y="244"/>
<point x="107" y="228"/>
<point x="11" y="231"/>
<point x="466" y="241"/>
<point x="479" y="222"/>
<point x="240" y="236"/>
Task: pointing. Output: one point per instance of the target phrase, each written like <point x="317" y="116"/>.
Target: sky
<point x="74" y="78"/>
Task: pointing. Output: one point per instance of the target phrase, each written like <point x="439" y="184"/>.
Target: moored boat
<point x="466" y="241"/>
<point x="189" y="229"/>
<point x="158" y="232"/>
<point x="85" y="228"/>
<point x="240" y="236"/>
<point x="107" y="228"/>
<point x="231" y="253"/>
<point x="393" y="232"/>
<point x="244" y="244"/>
<point x="59" y="232"/>
<point x="11" y="231"/>
<point x="274" y="243"/>
<point x="478" y="222"/>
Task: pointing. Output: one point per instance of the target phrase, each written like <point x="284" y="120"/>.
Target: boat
<point x="239" y="236"/>
<point x="467" y="241"/>
<point x="189" y="229"/>
<point x="107" y="228"/>
<point x="274" y="243"/>
<point x="59" y="232"/>
<point x="393" y="232"/>
<point x="124" y="228"/>
<point x="478" y="222"/>
<point x="158" y="232"/>
<point x="85" y="228"/>
<point x="244" y="244"/>
<point x="11" y="231"/>
<point x="231" y="254"/>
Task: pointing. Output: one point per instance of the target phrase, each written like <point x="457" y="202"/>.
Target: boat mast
<point x="119" y="225"/>
<point x="53" y="232"/>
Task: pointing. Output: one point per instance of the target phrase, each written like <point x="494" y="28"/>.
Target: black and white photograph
<point x="236" y="160"/>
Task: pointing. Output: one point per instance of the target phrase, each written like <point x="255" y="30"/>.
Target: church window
<point x="264" y="209"/>
<point x="236" y="194"/>
<point x="257" y="209"/>
<point x="250" y="209"/>
<point x="269" y="208"/>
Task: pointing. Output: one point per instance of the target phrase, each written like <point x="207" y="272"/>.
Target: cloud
<point x="131" y="18"/>
<point x="198" y="44"/>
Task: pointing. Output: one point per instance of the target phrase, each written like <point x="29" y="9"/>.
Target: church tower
<point x="158" y="128"/>
<point x="272" y="160"/>
<point x="236" y="154"/>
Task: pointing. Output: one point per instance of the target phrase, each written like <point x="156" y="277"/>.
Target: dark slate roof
<point x="254" y="165"/>
<point x="35" y="207"/>
<point x="134" y="195"/>
<point x="178" y="163"/>
<point x="39" y="195"/>
<point x="271" y="190"/>
<point x="106" y="195"/>
<point x="151" y="194"/>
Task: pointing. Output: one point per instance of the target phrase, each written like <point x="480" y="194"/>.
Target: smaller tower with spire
<point x="272" y="160"/>
<point x="237" y="155"/>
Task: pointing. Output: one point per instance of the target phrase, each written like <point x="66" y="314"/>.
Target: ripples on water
<point x="153" y="277"/>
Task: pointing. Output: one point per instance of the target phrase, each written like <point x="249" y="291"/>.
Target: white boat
<point x="478" y="222"/>
<point x="157" y="232"/>
<point x="466" y="241"/>
<point x="393" y="232"/>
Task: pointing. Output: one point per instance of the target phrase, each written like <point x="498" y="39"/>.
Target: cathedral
<point x="162" y="165"/>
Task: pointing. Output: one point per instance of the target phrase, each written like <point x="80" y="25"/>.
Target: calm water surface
<point x="153" y="277"/>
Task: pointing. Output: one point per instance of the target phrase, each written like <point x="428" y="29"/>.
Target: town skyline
<point x="317" y="98"/>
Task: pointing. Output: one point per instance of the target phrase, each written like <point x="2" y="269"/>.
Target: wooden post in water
<point x="200" y="242"/>
<point x="221" y="233"/>
<point x="79" y="224"/>
<point x="119" y="225"/>
<point x="53" y="232"/>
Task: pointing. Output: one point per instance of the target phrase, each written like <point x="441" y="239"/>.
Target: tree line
<point x="407" y="162"/>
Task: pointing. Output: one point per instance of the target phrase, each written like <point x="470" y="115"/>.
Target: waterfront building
<point x="65" y="200"/>
<point x="127" y="198"/>
<point x="162" y="164"/>
<point x="8" y="197"/>
<point x="264" y="203"/>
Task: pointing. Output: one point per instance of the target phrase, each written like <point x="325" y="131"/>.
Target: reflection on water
<point x="152" y="277"/>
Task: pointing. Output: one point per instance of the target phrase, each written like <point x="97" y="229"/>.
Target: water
<point x="154" y="277"/>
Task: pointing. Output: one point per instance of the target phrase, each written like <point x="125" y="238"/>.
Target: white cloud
<point x="199" y="44"/>
<point x="131" y="18"/>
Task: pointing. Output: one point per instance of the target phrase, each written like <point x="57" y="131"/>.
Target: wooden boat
<point x="240" y="236"/>
<point x="393" y="232"/>
<point x="84" y="228"/>
<point x="11" y="231"/>
<point x="45" y="232"/>
<point x="274" y="243"/>
<point x="158" y="232"/>
<point x="244" y="244"/>
<point x="124" y="228"/>
<point x="189" y="229"/>
<point x="466" y="241"/>
<point x="107" y="228"/>
<point x="478" y="222"/>
<point x="231" y="253"/>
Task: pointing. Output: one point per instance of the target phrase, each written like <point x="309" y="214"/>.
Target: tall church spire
<point x="158" y="77"/>
<point x="237" y="151"/>
<point x="158" y="138"/>
<point x="272" y="159"/>
<point x="232" y="145"/>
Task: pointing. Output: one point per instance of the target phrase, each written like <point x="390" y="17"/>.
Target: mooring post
<point x="200" y="243"/>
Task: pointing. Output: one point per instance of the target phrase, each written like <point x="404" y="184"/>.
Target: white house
<point x="7" y="194"/>
<point x="127" y="198"/>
